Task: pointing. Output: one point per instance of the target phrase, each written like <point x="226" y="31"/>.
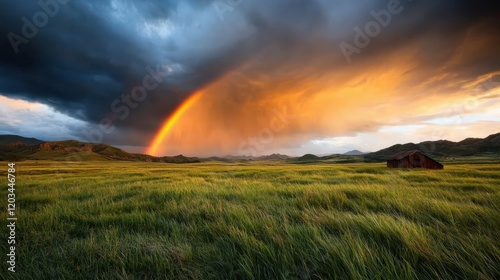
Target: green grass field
<point x="125" y="220"/>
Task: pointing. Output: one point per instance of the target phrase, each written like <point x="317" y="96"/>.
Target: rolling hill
<point x="13" y="147"/>
<point x="354" y="153"/>
<point x="443" y="148"/>
<point x="8" y="139"/>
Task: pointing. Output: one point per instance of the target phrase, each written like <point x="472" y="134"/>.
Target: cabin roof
<point x="403" y="154"/>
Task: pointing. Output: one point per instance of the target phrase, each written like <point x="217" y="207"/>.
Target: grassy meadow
<point x="267" y="220"/>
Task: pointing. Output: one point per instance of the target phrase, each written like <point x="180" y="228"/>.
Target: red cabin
<point x="413" y="159"/>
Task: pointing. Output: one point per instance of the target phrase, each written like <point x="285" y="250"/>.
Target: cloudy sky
<point x="249" y="76"/>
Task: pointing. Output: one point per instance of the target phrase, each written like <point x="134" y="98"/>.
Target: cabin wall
<point x="405" y="163"/>
<point x="392" y="164"/>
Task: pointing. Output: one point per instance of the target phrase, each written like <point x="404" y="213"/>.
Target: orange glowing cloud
<point x="170" y="121"/>
<point x="264" y="107"/>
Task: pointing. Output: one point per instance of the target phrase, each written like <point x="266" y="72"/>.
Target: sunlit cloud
<point x="327" y="105"/>
<point x="37" y="120"/>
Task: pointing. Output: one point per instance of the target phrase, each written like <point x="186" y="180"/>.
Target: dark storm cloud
<point x="84" y="58"/>
<point x="90" y="54"/>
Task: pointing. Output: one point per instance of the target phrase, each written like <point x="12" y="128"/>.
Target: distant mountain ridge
<point x="308" y="157"/>
<point x="444" y="148"/>
<point x="354" y="153"/>
<point x="267" y="157"/>
<point x="14" y="147"/>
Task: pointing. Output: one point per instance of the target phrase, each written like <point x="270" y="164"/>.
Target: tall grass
<point x="116" y="220"/>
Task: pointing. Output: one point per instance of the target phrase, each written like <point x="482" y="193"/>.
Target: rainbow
<point x="170" y="121"/>
<point x="176" y="115"/>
